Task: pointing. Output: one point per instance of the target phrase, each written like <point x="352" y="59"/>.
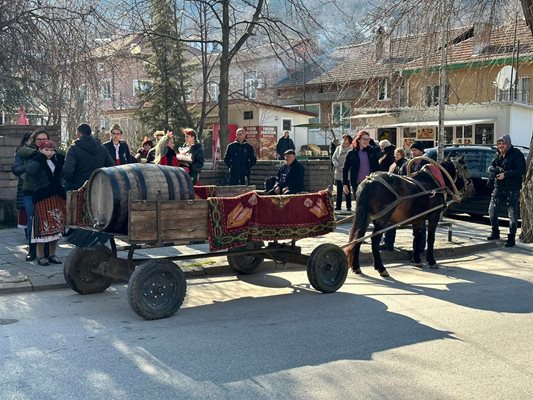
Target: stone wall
<point x="10" y="136"/>
<point x="318" y="174"/>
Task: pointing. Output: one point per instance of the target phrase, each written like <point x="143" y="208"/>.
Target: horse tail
<point x="360" y="222"/>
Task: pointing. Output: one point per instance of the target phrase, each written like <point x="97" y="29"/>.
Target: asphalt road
<point x="461" y="332"/>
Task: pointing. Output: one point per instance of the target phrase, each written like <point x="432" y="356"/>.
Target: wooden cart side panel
<point x="235" y="190"/>
<point x="180" y="220"/>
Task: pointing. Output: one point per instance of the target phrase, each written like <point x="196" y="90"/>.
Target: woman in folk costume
<point x="164" y="152"/>
<point x="45" y="170"/>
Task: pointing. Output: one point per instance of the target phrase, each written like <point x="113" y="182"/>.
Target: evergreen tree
<point x="163" y="103"/>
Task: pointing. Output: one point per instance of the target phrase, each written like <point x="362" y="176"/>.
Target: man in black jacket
<point x="117" y="148"/>
<point x="84" y="156"/>
<point x="284" y="143"/>
<point x="508" y="168"/>
<point x="290" y="177"/>
<point x="240" y="159"/>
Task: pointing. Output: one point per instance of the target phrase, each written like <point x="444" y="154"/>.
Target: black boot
<point x="494" y="235"/>
<point x="31" y="252"/>
<point x="510" y="241"/>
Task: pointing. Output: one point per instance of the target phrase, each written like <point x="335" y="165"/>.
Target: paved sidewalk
<point x="18" y="275"/>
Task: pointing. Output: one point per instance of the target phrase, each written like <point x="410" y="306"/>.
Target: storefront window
<point x="485" y="134"/>
<point x="463" y="135"/>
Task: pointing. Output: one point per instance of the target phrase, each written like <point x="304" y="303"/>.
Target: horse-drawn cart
<point x="152" y="205"/>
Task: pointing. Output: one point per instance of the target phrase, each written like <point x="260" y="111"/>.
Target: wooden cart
<point x="157" y="287"/>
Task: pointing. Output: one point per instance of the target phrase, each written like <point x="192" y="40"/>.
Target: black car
<point x="478" y="159"/>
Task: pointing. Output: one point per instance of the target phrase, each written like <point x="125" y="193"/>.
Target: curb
<point x="224" y="268"/>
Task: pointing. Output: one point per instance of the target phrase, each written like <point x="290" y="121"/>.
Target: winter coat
<point x="46" y="184"/>
<point x="124" y="154"/>
<point x="19" y="169"/>
<point x="83" y="157"/>
<point x="386" y="158"/>
<point x="27" y="153"/>
<point x="351" y="165"/>
<point x="197" y="155"/>
<point x="513" y="164"/>
<point x="399" y="166"/>
<point x="338" y="159"/>
<point x="283" y="145"/>
<point x="291" y="176"/>
<point x="240" y="158"/>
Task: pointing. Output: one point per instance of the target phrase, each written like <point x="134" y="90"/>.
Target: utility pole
<point x="442" y="79"/>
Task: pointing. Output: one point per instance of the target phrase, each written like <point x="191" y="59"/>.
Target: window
<point x="213" y="90"/>
<point x="484" y="134"/>
<point x="521" y="93"/>
<point x="250" y="84"/>
<point x="287" y="124"/>
<point x="246" y="115"/>
<point x="384" y="89"/>
<point x="432" y="95"/>
<point x="140" y="86"/>
<point x="106" y="89"/>
<point x="314" y="108"/>
<point x="341" y="114"/>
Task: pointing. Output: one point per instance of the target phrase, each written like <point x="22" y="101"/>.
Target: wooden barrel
<point x="110" y="188"/>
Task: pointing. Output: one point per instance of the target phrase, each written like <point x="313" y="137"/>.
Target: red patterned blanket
<point x="233" y="221"/>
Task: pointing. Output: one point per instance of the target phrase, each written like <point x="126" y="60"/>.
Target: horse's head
<point x="458" y="170"/>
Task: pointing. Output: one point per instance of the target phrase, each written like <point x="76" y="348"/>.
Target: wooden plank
<point x="183" y="220"/>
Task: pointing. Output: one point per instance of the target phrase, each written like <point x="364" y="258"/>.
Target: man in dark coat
<point x="507" y="169"/>
<point x="284" y="143"/>
<point x="84" y="156"/>
<point x="117" y="148"/>
<point x="290" y="177"/>
<point x="240" y="159"/>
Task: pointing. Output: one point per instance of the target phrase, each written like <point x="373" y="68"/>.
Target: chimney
<point x="482" y="32"/>
<point x="382" y="40"/>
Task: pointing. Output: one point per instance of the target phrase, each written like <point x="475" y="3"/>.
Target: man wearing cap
<point x="240" y="159"/>
<point x="507" y="169"/>
<point x="290" y="176"/>
<point x="84" y="156"/>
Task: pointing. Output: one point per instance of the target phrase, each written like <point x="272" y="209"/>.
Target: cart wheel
<point x="156" y="289"/>
<point x="246" y="264"/>
<point x="327" y="268"/>
<point x="78" y="269"/>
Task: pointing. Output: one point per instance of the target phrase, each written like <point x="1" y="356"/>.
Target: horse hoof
<point x="434" y="266"/>
<point x="357" y="271"/>
<point x="384" y="274"/>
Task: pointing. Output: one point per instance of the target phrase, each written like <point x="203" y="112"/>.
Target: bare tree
<point x="44" y="47"/>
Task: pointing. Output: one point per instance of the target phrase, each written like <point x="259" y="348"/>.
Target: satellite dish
<point x="506" y="78"/>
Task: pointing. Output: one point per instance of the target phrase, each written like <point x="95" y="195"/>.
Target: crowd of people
<point x="46" y="172"/>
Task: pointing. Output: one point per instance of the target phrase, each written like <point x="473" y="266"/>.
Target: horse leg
<point x="378" y="264"/>
<point x="430" y="255"/>
<point x="417" y="247"/>
<point x="353" y="250"/>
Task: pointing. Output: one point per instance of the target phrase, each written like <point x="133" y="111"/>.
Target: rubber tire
<point x="77" y="269"/>
<point x="327" y="268"/>
<point x="168" y="277"/>
<point x="244" y="264"/>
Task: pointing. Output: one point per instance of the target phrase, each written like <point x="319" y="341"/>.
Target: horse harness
<point x="423" y="192"/>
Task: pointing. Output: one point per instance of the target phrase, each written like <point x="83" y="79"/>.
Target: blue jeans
<point x="508" y="198"/>
<point x="28" y="207"/>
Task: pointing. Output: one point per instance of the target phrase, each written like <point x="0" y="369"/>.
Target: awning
<point x="375" y="115"/>
<point x="317" y="125"/>
<point x="458" y="122"/>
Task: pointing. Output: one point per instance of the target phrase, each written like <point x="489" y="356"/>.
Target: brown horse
<point x="388" y="199"/>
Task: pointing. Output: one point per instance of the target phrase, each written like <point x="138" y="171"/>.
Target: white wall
<point x="521" y="126"/>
